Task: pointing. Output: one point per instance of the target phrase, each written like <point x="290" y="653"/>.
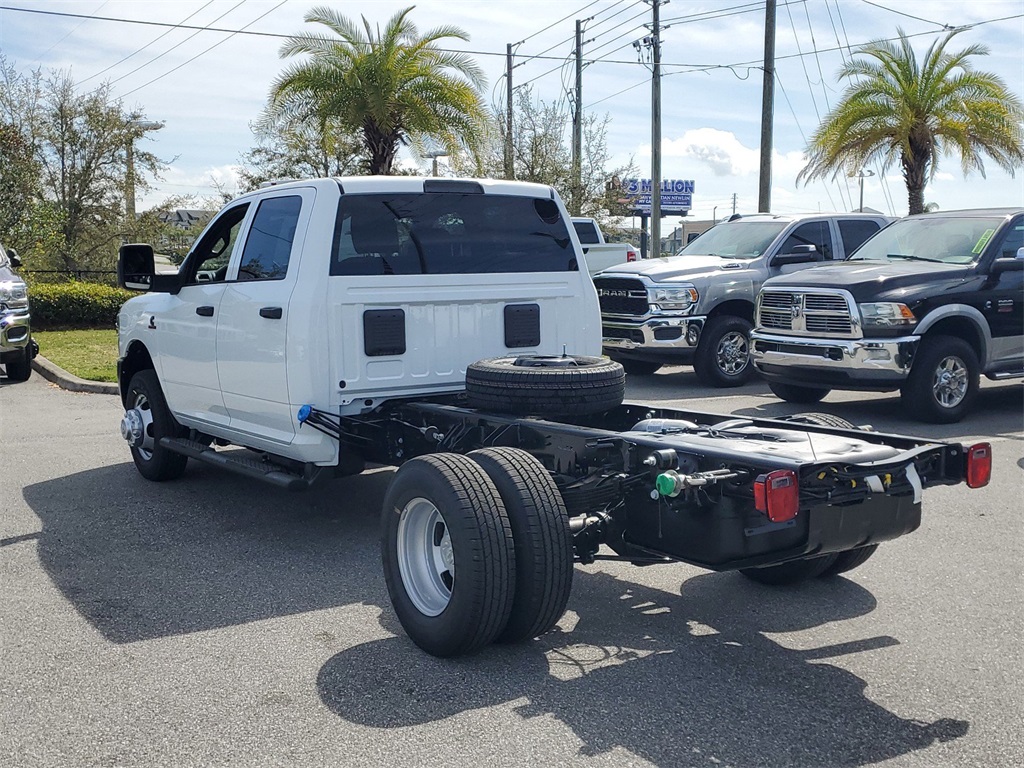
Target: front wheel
<point x="147" y="419"/>
<point x="448" y="553"/>
<point x="21" y="369"/>
<point x="943" y="380"/>
<point x="794" y="393"/>
<point x="723" y="354"/>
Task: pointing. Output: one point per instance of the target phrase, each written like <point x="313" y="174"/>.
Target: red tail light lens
<point x="777" y="495"/>
<point x="630" y="255"/>
<point x="979" y="465"/>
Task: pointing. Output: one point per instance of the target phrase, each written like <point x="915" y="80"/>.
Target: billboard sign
<point x="676" y="196"/>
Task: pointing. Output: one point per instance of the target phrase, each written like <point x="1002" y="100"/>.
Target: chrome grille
<point x="823" y="313"/>
<point x="621" y="296"/>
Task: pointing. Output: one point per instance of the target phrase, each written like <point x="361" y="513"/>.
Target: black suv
<point x="924" y="306"/>
<point x="16" y="345"/>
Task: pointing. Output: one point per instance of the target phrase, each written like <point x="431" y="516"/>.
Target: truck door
<point x="816" y="233"/>
<point x="252" y="339"/>
<point x="1002" y="302"/>
<point x="188" y="327"/>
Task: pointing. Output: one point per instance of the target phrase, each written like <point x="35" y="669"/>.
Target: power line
<point x="204" y="52"/>
<point x="173" y="47"/>
<point x="909" y="16"/>
<point x="140" y="50"/>
<point x="549" y="26"/>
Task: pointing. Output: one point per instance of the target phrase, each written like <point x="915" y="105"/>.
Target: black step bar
<point x="255" y="468"/>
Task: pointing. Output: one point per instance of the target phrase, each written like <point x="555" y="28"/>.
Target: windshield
<point x="740" y="240"/>
<point x="941" y="239"/>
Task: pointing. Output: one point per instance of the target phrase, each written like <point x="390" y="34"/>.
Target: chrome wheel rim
<point x="732" y="353"/>
<point x="145" y="412"/>
<point x="949" y="384"/>
<point x="426" y="560"/>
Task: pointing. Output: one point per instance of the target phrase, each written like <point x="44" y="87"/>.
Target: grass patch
<point x="87" y="354"/>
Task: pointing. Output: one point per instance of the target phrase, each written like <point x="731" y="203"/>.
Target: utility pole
<point x="510" y="171"/>
<point x="764" y="197"/>
<point x="577" y="127"/>
<point x="654" y="43"/>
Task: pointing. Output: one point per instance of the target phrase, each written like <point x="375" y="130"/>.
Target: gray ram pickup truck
<point x="697" y="307"/>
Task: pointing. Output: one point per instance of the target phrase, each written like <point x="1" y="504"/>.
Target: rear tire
<point x="723" y="353"/>
<point x="539" y="385"/>
<point x="852" y="558"/>
<point x="943" y="380"/>
<point x="20" y="370"/>
<point x="153" y="461"/>
<point x="448" y="554"/>
<point x="543" y="543"/>
<point x="792" y="572"/>
<point x="794" y="393"/>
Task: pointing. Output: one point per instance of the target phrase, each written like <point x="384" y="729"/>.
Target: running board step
<point x="243" y="465"/>
<point x="1002" y="375"/>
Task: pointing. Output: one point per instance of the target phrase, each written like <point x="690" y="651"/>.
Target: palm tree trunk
<point x="915" y="172"/>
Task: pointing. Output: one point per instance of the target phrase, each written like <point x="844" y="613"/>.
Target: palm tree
<point x="390" y="88"/>
<point x="899" y="109"/>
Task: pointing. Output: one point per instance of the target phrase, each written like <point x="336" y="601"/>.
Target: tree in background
<point x="390" y="87"/>
<point x="295" y="149"/>
<point x="75" y="218"/>
<point x="901" y="110"/>
<point x="541" y="154"/>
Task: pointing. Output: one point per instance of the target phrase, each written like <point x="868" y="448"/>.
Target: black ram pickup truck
<point x="926" y="306"/>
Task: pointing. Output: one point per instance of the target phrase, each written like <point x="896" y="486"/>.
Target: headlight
<point x="14" y="295"/>
<point x="886" y="314"/>
<point x="677" y="297"/>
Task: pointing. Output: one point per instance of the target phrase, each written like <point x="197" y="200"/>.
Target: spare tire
<point x="821" y="420"/>
<point x="541" y="385"/>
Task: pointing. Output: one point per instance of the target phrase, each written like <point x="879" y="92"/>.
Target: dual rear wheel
<point x="476" y="549"/>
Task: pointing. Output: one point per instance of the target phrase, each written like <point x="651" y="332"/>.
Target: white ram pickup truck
<point x="599" y="254"/>
<point x="428" y="324"/>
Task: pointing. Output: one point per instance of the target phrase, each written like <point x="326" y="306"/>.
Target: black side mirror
<point x="800" y="254"/>
<point x="136" y="267"/>
<point x="1007" y="265"/>
<point x="13" y="257"/>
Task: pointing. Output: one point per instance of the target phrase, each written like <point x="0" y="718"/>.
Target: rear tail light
<point x="630" y="254"/>
<point x="777" y="495"/>
<point x="979" y="465"/>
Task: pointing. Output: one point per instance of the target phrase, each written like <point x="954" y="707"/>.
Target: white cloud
<point x="725" y="155"/>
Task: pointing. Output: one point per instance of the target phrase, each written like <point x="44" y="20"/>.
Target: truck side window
<point x="586" y="232"/>
<point x="1013" y="241"/>
<point x="208" y="262"/>
<point x="812" y="233"/>
<point x="856" y="231"/>
<point x="268" y="246"/>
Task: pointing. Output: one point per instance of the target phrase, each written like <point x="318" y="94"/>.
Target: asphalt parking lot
<point x="214" y="622"/>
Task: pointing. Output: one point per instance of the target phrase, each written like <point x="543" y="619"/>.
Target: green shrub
<point x="57" y="306"/>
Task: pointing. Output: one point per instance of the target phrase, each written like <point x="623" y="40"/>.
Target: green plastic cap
<point x="666" y="484"/>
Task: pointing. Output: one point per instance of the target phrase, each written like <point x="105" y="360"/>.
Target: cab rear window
<point x="449" y="233"/>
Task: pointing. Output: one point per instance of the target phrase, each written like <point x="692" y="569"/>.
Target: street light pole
<point x="863" y="174"/>
<point x="129" y="190"/>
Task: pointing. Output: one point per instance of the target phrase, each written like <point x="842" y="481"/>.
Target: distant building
<point x="185" y="219"/>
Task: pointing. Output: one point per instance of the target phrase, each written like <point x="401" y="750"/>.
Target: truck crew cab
<point x="926" y="306"/>
<point x="446" y="327"/>
<point x="697" y="307"/>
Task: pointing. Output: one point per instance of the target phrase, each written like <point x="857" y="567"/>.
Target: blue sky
<point x="208" y="86"/>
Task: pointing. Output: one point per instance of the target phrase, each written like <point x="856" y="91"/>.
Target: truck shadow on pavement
<point x="691" y="679"/>
<point x="143" y="560"/>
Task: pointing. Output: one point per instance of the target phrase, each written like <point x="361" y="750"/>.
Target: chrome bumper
<point x="656" y="334"/>
<point x="860" y="359"/>
<point x="14" y="331"/>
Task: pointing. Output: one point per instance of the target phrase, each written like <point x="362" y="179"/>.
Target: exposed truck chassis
<point x="608" y="473"/>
